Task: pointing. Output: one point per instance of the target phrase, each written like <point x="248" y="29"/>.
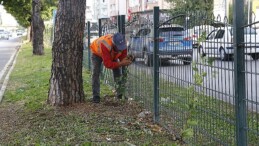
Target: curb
<point x="11" y="62"/>
<point x="6" y="66"/>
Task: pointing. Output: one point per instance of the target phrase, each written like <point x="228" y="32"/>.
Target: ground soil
<point x="125" y="115"/>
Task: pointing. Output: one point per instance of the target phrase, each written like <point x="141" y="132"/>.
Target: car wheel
<point x="187" y="61"/>
<point x="128" y="48"/>
<point x="148" y="59"/>
<point x="197" y="54"/>
<point x="201" y="51"/>
<point x="255" y="56"/>
<point x="223" y="55"/>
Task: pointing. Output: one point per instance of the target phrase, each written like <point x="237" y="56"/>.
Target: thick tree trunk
<point x="37" y="28"/>
<point x="66" y="82"/>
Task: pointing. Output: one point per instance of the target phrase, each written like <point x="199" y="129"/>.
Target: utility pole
<point x="226" y="8"/>
<point x="249" y="11"/>
<point x="1" y="22"/>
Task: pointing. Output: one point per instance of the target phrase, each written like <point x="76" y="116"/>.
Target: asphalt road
<point x="218" y="81"/>
<point x="7" y="50"/>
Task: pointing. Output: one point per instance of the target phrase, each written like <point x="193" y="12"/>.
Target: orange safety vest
<point x="107" y="42"/>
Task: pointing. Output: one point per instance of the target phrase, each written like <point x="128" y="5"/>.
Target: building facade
<point x="100" y="9"/>
<point x="255" y="12"/>
<point x="143" y="5"/>
<point x="89" y="13"/>
<point x="110" y="8"/>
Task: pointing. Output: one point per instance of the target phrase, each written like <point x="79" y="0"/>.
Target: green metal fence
<point x="195" y="73"/>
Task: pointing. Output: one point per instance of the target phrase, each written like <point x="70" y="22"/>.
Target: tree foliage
<point x="22" y="11"/>
<point x="192" y="5"/>
<point x="47" y="7"/>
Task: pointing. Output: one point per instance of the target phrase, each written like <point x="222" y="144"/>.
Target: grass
<point x="33" y="122"/>
<point x="29" y="80"/>
<point x="26" y="119"/>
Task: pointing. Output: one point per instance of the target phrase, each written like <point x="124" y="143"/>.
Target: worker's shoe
<point x="96" y="99"/>
<point x="119" y="96"/>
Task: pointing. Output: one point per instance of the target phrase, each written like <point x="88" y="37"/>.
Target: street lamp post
<point x="248" y="11"/>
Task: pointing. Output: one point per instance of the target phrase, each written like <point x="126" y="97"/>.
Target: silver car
<point x="4" y="35"/>
<point x="219" y="43"/>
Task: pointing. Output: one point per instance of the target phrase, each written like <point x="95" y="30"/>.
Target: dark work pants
<point x="96" y="72"/>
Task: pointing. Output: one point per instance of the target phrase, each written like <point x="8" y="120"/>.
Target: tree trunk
<point x="37" y="28"/>
<point x="66" y="82"/>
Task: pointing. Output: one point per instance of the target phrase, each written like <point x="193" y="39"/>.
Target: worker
<point x="111" y="50"/>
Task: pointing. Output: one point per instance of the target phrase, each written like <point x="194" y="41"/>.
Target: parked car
<point x="195" y="32"/>
<point x="171" y="44"/>
<point x="220" y="43"/>
<point x="4" y="35"/>
<point x="19" y="32"/>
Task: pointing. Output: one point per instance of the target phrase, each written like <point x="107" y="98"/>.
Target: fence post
<point x="100" y="34"/>
<point x="156" y="64"/>
<point x="88" y="43"/>
<point x="239" y="68"/>
<point x="100" y="27"/>
<point x="122" y="19"/>
<point x="119" y="23"/>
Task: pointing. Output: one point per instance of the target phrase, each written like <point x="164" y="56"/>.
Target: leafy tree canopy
<point x="22" y="11"/>
<point x="192" y="5"/>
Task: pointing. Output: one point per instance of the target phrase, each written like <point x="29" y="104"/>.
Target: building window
<point x="151" y="1"/>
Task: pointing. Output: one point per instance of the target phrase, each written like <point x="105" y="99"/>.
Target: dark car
<point x="172" y="44"/>
<point x="19" y="32"/>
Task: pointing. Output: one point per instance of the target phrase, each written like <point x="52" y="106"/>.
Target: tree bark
<point x="37" y="28"/>
<point x="66" y="82"/>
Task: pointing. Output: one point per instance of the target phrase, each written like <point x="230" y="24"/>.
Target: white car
<point x="4" y="35"/>
<point x="196" y="32"/>
<point x="219" y="43"/>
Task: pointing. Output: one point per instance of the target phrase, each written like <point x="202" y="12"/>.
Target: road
<point x="7" y="51"/>
<point x="219" y="81"/>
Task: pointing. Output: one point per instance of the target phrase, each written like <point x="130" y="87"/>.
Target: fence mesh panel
<point x="196" y="73"/>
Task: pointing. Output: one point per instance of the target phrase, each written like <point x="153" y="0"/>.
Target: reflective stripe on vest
<point x="99" y="42"/>
<point x="105" y="40"/>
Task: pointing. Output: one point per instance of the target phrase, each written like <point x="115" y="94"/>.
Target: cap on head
<point x="119" y="41"/>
